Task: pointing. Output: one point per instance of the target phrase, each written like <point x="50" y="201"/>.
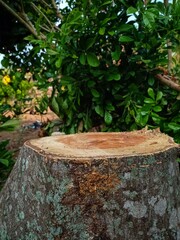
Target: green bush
<point x="6" y="162"/>
<point x="14" y="89"/>
<point x="7" y="156"/>
<point x="103" y="61"/>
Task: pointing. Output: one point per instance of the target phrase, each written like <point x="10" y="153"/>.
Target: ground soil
<point x="25" y="131"/>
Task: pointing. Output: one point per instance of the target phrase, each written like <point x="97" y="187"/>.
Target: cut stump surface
<point x="106" y="145"/>
<point x="92" y="186"/>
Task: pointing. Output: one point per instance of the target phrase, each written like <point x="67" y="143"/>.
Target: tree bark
<point x="168" y="82"/>
<point x="93" y="186"/>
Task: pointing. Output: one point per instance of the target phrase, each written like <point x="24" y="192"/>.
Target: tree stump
<point x="94" y="186"/>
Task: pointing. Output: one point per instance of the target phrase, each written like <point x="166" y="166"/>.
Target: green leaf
<point x="64" y="105"/>
<point x="92" y="60"/>
<point x="82" y="59"/>
<point x="154" y="11"/>
<point x="113" y="76"/>
<point x="164" y="102"/>
<point x="146" y="61"/>
<point x="4" y="162"/>
<point x="156" y="118"/>
<point x="157" y="108"/>
<point x="111" y="33"/>
<point x="116" y="54"/>
<point x="66" y="80"/>
<point x="29" y="38"/>
<point x="74" y="16"/>
<point x="159" y="96"/>
<point x="54" y="105"/>
<point x="146" y="108"/>
<point x="141" y="119"/>
<point x="149" y="100"/>
<point x="99" y="110"/>
<point x="9" y="125"/>
<point x="151" y="93"/>
<point x="144" y="113"/>
<point x="87" y="122"/>
<point x="151" y="80"/>
<point x="104" y="21"/>
<point x="102" y="30"/>
<point x="90" y="42"/>
<point x="91" y="84"/>
<point x="149" y="19"/>
<point x="131" y="10"/>
<point x="125" y="27"/>
<point x="174" y="126"/>
<point x="5" y="62"/>
<point x="58" y="62"/>
<point x="128" y="118"/>
<point x="110" y="107"/>
<point x="106" y="3"/>
<point x="125" y="39"/>
<point x="4" y="143"/>
<point x="108" y="118"/>
<point x="95" y="93"/>
<point x="138" y="118"/>
<point x="51" y="52"/>
<point x="144" y="120"/>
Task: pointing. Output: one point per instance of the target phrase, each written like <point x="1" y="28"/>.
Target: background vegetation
<point x="109" y="62"/>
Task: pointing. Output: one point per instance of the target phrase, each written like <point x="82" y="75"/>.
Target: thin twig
<point x="59" y="15"/>
<point x="45" y="28"/>
<point x="22" y="6"/>
<point x="40" y="12"/>
<point x="45" y="3"/>
<point x="25" y="17"/>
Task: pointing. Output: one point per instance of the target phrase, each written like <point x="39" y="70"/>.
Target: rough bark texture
<point x="94" y="186"/>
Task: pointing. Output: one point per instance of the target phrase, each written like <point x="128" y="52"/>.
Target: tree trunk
<point x="94" y="186"/>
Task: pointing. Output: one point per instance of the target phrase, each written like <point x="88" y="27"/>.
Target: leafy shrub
<point x="6" y="162"/>
<point x="14" y="89"/>
<point x="103" y="63"/>
<point x="7" y="156"/>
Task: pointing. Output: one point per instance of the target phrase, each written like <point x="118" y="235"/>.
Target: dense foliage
<point x="6" y="162"/>
<point x="7" y="156"/>
<point x="14" y="88"/>
<point x="102" y="59"/>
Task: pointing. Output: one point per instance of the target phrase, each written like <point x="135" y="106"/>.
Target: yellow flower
<point x="63" y="88"/>
<point x="6" y="80"/>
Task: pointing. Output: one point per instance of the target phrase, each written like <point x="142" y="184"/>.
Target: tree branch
<point x="40" y="12"/>
<point x="26" y="23"/>
<point x="45" y="28"/>
<point x="45" y="3"/>
<point x="168" y="82"/>
<point x="60" y="16"/>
